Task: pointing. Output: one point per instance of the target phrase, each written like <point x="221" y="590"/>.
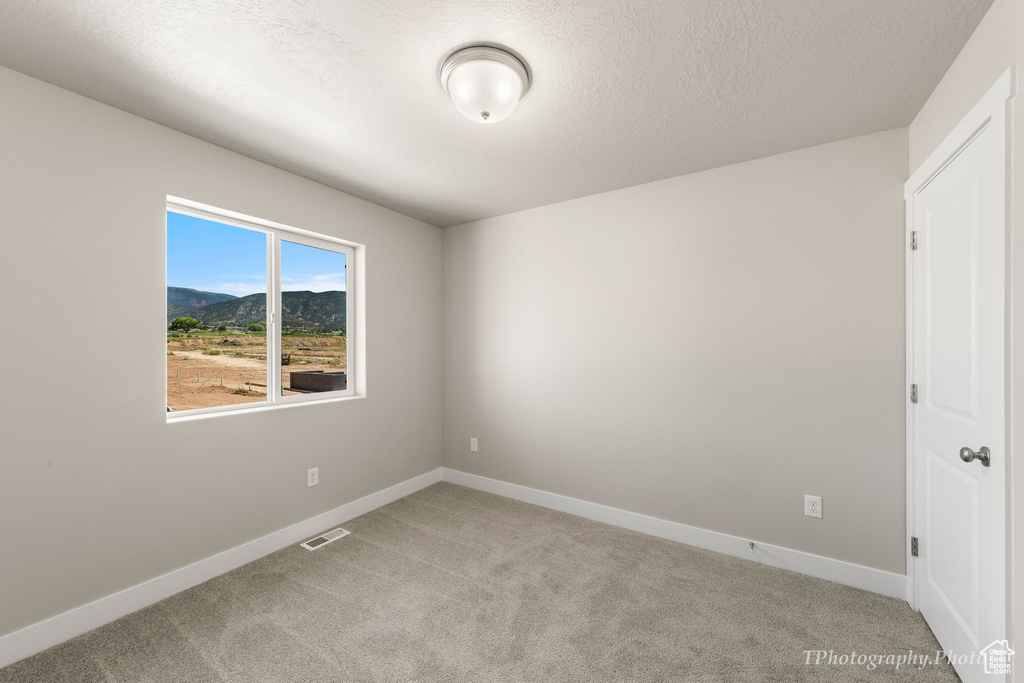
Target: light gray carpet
<point x="451" y="584"/>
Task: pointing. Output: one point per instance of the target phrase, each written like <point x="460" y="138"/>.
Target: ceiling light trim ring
<point x="485" y="52"/>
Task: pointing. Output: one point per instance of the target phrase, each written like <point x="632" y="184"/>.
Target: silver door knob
<point x="983" y="454"/>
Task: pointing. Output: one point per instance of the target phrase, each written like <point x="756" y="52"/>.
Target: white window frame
<point x="275" y="234"/>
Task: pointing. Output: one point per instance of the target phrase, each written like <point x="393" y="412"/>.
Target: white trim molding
<point x="849" y="574"/>
<point x="992" y="107"/>
<point x="55" y="630"/>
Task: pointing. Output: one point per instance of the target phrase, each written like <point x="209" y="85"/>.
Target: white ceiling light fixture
<point x="485" y="82"/>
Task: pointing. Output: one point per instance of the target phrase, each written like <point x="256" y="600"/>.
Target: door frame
<point x="992" y="112"/>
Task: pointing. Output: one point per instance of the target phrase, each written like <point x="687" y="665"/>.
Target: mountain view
<point x="299" y="309"/>
<point x="182" y="300"/>
<point x="232" y="357"/>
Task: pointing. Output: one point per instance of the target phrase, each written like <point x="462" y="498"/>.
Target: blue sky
<point x="213" y="257"/>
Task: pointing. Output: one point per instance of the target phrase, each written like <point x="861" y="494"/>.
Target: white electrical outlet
<point x="312" y="477"/>
<point x="473" y="445"/>
<point x="812" y="506"/>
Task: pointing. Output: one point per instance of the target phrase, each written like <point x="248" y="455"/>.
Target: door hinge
<point x="913" y="393"/>
<point x="913" y="241"/>
<point x="913" y="546"/>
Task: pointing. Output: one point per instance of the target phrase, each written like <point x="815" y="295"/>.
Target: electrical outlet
<point x="473" y="445"/>
<point x="312" y="477"/>
<point x="812" y="506"/>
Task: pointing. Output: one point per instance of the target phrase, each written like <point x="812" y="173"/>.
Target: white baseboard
<point x="44" y="634"/>
<point x="846" y="573"/>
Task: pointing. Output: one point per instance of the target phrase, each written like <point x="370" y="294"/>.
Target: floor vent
<point x="324" y="539"/>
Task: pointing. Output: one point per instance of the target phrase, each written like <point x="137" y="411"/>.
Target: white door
<point x="957" y="206"/>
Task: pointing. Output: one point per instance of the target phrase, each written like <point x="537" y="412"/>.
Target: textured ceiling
<point x="345" y="92"/>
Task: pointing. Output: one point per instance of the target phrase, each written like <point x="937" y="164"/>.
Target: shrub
<point x="175" y="333"/>
<point x="222" y="328"/>
<point x="185" y="324"/>
<point x="256" y="327"/>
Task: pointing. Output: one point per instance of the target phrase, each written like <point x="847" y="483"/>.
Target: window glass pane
<point x="216" y="314"/>
<point x="313" y="320"/>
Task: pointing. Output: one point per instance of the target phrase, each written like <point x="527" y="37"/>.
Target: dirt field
<point x="202" y="380"/>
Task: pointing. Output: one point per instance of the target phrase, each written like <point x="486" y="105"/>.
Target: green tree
<point x="222" y="328"/>
<point x="184" y="324"/>
<point x="256" y="327"/>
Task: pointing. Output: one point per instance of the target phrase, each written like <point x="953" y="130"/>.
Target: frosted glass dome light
<point x="484" y="82"/>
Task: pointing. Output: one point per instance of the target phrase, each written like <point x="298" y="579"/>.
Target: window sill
<point x="174" y="418"/>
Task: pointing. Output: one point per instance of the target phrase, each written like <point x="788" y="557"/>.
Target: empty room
<point x="511" y="341"/>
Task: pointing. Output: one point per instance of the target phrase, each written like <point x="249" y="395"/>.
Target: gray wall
<point x="97" y="492"/>
<point x="705" y="349"/>
<point x="997" y="44"/>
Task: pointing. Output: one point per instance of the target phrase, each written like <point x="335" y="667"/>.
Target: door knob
<point x="983" y="454"/>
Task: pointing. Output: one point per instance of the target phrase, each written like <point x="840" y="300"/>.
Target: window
<point x="257" y="313"/>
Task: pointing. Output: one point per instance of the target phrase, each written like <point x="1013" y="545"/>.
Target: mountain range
<point x="299" y="309"/>
<point x="182" y="300"/>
